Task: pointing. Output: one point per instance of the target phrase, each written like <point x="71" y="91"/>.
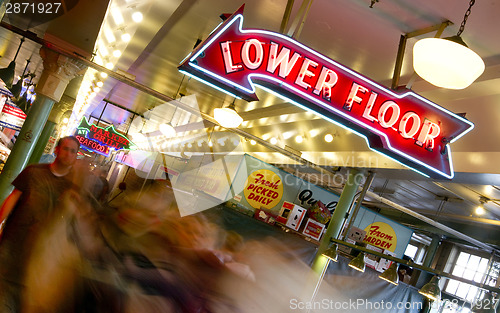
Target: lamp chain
<point x="466" y="16"/>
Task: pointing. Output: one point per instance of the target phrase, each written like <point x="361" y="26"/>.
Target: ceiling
<point x="348" y="31"/>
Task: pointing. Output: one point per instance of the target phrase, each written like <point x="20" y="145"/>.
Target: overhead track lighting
<point x="331" y="253"/>
<point x="391" y="274"/>
<point x="482" y="201"/>
<point x="431" y="290"/>
<point x="448" y="62"/>
<point x="358" y="263"/>
<point x="480" y="208"/>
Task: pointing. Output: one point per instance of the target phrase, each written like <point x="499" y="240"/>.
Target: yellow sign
<point x="381" y="235"/>
<point x="263" y="189"/>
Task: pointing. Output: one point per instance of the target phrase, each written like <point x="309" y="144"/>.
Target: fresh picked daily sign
<point x="401" y="125"/>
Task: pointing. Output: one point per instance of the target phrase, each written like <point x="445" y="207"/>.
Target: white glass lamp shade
<point x="446" y="63"/>
<point x="167" y="129"/>
<point x="227" y="117"/>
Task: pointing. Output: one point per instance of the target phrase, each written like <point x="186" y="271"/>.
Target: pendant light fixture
<point x="480" y="208"/>
<point x="331" y="253"/>
<point x="358" y="263"/>
<point x="228" y="117"/>
<point x="7" y="74"/>
<point x="18" y="87"/>
<point x="431" y="290"/>
<point x="448" y="62"/>
<point x="391" y="274"/>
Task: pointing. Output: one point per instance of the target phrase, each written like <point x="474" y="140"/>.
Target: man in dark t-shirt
<point x="29" y="207"/>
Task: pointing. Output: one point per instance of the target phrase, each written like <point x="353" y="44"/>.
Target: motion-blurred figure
<point x="25" y="214"/>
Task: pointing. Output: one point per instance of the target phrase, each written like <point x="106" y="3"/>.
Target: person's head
<point x="66" y="150"/>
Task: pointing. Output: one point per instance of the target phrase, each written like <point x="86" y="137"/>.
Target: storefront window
<point x="475" y="268"/>
<point x="411" y="251"/>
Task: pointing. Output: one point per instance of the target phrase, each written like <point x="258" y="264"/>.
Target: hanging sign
<point x="263" y="189"/>
<point x="382" y="235"/>
<point x="11" y="116"/>
<point x="101" y="140"/>
<point x="402" y="125"/>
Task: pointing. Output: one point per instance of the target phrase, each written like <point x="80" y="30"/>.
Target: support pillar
<point x="320" y="263"/>
<point x="58" y="70"/>
<point x="339" y="215"/>
<point x="54" y="118"/>
<point x="431" y="251"/>
<point x="42" y="142"/>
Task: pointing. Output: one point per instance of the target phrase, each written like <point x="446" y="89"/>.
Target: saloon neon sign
<point x="101" y="140"/>
<point x="402" y="125"/>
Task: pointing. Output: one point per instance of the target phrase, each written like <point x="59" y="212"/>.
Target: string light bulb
<point x="480" y="208"/>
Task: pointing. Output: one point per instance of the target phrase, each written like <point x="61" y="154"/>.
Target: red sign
<point x="101" y="140"/>
<point x="93" y="145"/>
<point x="313" y="229"/>
<point x="12" y="117"/>
<point x="402" y="125"/>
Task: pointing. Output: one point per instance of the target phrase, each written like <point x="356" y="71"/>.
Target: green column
<point x="337" y="220"/>
<point x="25" y="143"/>
<point x="320" y="263"/>
<point x="58" y="70"/>
<point x="42" y="142"/>
<point x="431" y="251"/>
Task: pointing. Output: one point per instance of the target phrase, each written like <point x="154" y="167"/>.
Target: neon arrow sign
<point x="402" y="125"/>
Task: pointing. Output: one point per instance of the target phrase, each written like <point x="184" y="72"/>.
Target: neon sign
<point x="402" y="125"/>
<point x="101" y="140"/>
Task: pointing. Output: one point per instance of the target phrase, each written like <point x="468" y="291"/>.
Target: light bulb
<point x="137" y="17"/>
<point x="126" y="37"/>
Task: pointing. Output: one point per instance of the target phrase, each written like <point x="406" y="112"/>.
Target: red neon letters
<point x="402" y="125"/>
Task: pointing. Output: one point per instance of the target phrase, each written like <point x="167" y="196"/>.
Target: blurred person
<point x="151" y="260"/>
<point x="107" y="261"/>
<point x="405" y="271"/>
<point x="100" y="188"/>
<point x="230" y="254"/>
<point x="25" y="213"/>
